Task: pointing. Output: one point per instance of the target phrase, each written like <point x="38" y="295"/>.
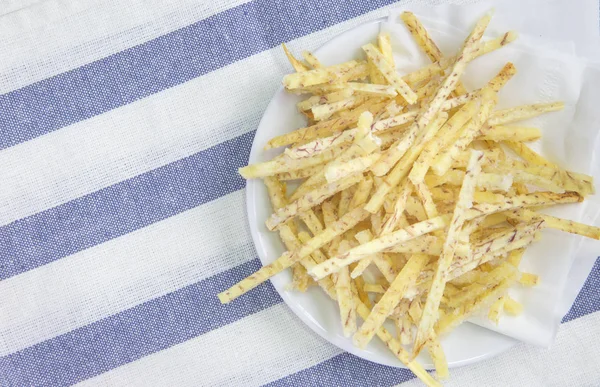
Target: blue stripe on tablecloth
<point x="123" y="207"/>
<point x="179" y="316"/>
<point x="345" y="370"/>
<point x="136" y="332"/>
<point x="587" y="300"/>
<point x="164" y="62"/>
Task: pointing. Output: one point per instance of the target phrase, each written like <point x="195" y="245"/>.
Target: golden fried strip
<point x="502" y="78"/>
<point x="488" y="181"/>
<point x="440" y="66"/>
<point x="460" y="268"/>
<point x="296" y="64"/>
<point x="529" y="279"/>
<point x="317" y="256"/>
<point x="512" y="307"/>
<point x="311" y="199"/>
<point x="299" y="174"/>
<point x="469" y="131"/>
<point x="364" y="144"/>
<point x="357" y="165"/>
<point x="326" y="110"/>
<point x="403" y="330"/>
<point x="361" y="266"/>
<point x="496" y="310"/>
<point x="383" y="263"/>
<point x="447" y="87"/>
<point x="465" y="201"/>
<point x="312" y="222"/>
<point x="510" y="133"/>
<point x="385" y="46"/>
<point x="426" y="244"/>
<point x="363" y="189"/>
<point x="288" y="258"/>
<point x="317" y="76"/>
<point x="424" y="40"/>
<point x="399" y="207"/>
<point x="463" y="272"/>
<point x="385" y="242"/>
<point x="343" y="287"/>
<point x="388" y="71"/>
<point x="485" y="280"/>
<point x="444" y="138"/>
<point x="402" y="168"/>
<point x="407" y="276"/>
<point x="371" y="89"/>
<point x="285" y="164"/>
<point x="374" y="288"/>
<point x="557" y="223"/>
<point x="444" y="158"/>
<point x="397" y="349"/>
<point x="377" y="245"/>
<point x="325" y="128"/>
<point x="439" y="358"/>
<point x="421" y="36"/>
<point x="452" y="320"/>
<point x="524" y="112"/>
<point x="316" y="100"/>
<point x="344" y="204"/>
<point x="530" y="157"/>
<point x="312" y="60"/>
<point x="287" y="233"/>
<point x="548" y="177"/>
<point x="320" y="89"/>
<point x="329" y="217"/>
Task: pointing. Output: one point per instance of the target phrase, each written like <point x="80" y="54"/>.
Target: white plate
<point x="467" y="344"/>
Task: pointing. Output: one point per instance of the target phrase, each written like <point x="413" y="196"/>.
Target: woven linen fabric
<point x="122" y="126"/>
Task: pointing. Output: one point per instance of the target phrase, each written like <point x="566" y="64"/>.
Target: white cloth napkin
<point x="550" y="67"/>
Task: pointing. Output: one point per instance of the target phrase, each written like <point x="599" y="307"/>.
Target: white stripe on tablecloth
<point x="252" y="351"/>
<point x="79" y="33"/>
<point x="152" y="132"/>
<point x="572" y="360"/>
<point x="9" y="6"/>
<point x="121" y="273"/>
<point x="40" y="16"/>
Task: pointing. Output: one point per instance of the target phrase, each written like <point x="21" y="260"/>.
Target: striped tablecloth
<point x="122" y="125"/>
